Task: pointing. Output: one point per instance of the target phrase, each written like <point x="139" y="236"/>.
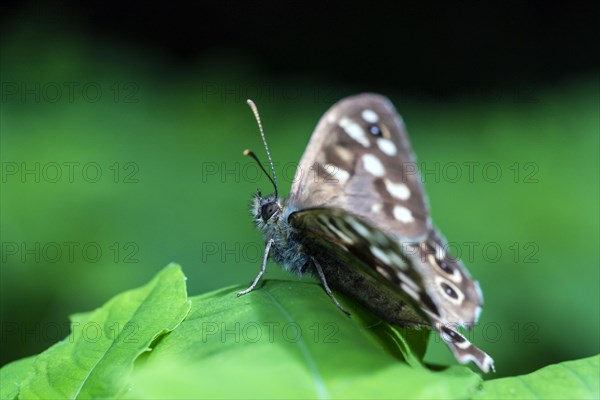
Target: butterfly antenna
<point x="251" y="154"/>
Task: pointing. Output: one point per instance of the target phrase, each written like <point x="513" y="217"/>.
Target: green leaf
<point x="568" y="380"/>
<point x="11" y="376"/>
<point x="288" y="340"/>
<point x="283" y="340"/>
<point x="97" y="358"/>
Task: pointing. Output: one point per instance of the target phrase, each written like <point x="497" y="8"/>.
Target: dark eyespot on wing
<point x="375" y="130"/>
<point x="453" y="335"/>
<point x="448" y="290"/>
<point x="440" y="261"/>
<point x="463" y="350"/>
<point x="445" y="267"/>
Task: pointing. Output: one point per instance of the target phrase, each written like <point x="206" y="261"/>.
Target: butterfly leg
<point x="263" y="268"/>
<point x="327" y="290"/>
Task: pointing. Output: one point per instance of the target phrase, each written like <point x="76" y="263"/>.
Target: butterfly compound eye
<point x="268" y="210"/>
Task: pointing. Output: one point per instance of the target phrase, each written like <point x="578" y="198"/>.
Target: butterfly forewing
<point x="359" y="159"/>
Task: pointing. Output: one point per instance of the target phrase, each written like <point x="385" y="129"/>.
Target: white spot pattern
<point x="355" y="131"/>
<point x="408" y="290"/>
<point x="387" y="146"/>
<point x="377" y="207"/>
<point x="383" y="272"/>
<point x="340" y="234"/>
<point x="404" y="278"/>
<point x="341" y="175"/>
<point x="398" y="190"/>
<point x="373" y="165"/>
<point x="358" y="227"/>
<point x="403" y="214"/>
<point x="370" y="116"/>
<point x="345" y="154"/>
<point x="398" y="261"/>
<point x="380" y="254"/>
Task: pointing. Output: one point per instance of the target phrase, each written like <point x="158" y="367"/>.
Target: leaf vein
<point x="320" y="387"/>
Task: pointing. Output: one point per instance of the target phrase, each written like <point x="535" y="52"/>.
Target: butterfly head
<point x="266" y="210"/>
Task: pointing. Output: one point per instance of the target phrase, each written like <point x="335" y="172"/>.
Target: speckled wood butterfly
<point x="357" y="218"/>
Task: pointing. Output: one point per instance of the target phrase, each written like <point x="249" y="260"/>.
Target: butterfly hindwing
<point x="343" y="243"/>
<point x="447" y="280"/>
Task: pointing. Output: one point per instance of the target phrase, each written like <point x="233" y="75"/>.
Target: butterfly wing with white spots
<point x="370" y="265"/>
<point x="359" y="158"/>
<point x="359" y="162"/>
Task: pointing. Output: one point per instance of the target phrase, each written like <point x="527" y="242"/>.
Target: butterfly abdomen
<point x="346" y="275"/>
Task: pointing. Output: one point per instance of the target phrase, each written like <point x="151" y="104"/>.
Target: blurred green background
<point x="110" y="146"/>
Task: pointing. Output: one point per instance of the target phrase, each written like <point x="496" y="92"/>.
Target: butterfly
<point x="358" y="219"/>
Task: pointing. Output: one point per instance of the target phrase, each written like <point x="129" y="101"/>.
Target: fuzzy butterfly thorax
<point x="358" y="218"/>
<point x="271" y="218"/>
